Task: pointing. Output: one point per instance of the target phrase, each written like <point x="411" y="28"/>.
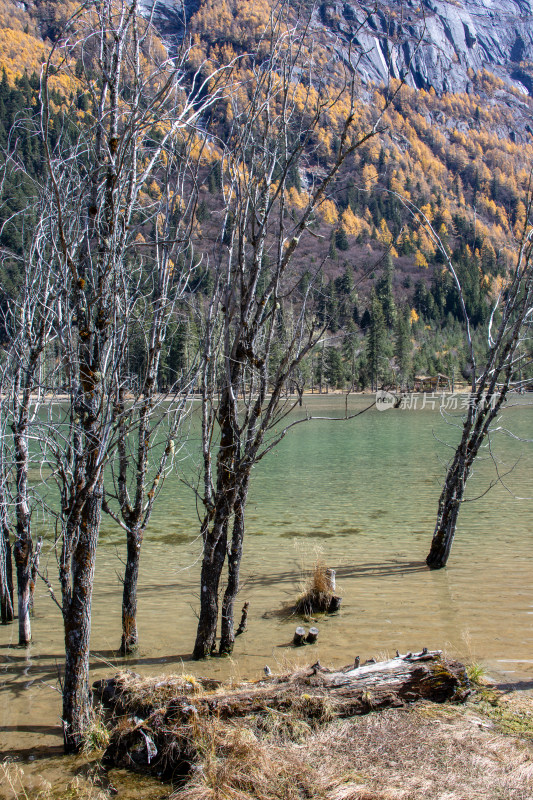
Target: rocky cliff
<point x="433" y="43"/>
<point x="436" y="43"/>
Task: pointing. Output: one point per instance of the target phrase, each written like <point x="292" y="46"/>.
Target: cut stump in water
<point x="299" y="636"/>
<point x="157" y="736"/>
<point x="312" y="636"/>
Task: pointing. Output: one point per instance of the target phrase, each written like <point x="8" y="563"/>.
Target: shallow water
<point x="362" y="495"/>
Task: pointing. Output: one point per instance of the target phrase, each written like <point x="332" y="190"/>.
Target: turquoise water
<point x="362" y="496"/>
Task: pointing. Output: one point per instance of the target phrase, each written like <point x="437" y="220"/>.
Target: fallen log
<point x="161" y="737"/>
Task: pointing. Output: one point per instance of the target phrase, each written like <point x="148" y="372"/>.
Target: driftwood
<point x="244" y="620"/>
<point x="161" y="741"/>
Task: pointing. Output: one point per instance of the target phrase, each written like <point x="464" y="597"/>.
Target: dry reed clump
<point x="318" y="594"/>
<point x="129" y="693"/>
<point x="234" y="764"/>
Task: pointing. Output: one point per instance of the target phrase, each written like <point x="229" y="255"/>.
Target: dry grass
<point x="140" y="695"/>
<point x="442" y="753"/>
<point x="12" y="780"/>
<point x="316" y="596"/>
<point x="480" y="751"/>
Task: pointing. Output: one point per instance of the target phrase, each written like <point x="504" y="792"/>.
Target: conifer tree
<point x="385" y="293"/>
<point x="402" y="346"/>
<point x="376" y="347"/>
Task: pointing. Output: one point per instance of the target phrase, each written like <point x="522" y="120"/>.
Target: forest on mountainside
<point x="381" y="279"/>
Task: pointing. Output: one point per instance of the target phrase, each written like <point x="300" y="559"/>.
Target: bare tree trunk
<point x="23" y="547"/>
<point x="23" y="553"/>
<point x="227" y="633"/>
<point x="212" y="563"/>
<point x="7" y="612"/>
<point x="130" y="637"/>
<point x="449" y="505"/>
<point x="77" y="624"/>
<point x="35" y="570"/>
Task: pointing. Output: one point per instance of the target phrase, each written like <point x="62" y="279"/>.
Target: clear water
<point x="362" y="495"/>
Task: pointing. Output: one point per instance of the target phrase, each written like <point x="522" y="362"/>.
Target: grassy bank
<point x="480" y="749"/>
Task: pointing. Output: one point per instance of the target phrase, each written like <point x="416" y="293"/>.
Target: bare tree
<point x="492" y="376"/>
<point x="499" y="372"/>
<point x="99" y="171"/>
<point x="139" y="472"/>
<point x="28" y="324"/>
<point x="7" y="610"/>
<point x="275" y="122"/>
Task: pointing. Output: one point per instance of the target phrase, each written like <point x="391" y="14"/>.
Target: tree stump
<point x="299" y="636"/>
<point x="335" y="604"/>
<point x="312" y="636"/>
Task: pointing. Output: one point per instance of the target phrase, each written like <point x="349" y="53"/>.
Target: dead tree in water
<point x="499" y="371"/>
<point x="28" y="324"/>
<point x="275" y="120"/>
<point x="98" y="169"/>
<point x="146" y="434"/>
<point x="26" y="320"/>
<point x="7" y="609"/>
<point x="490" y="387"/>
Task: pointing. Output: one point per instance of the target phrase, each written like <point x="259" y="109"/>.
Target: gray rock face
<point x="435" y="43"/>
<point x="169" y="16"/>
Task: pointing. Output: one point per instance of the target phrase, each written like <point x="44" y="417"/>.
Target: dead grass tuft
<point x="140" y="695"/>
<point x="12" y="777"/>
<point x="233" y="764"/>
<point x="317" y="594"/>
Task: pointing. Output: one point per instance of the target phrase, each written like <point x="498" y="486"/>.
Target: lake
<point x="361" y="495"/>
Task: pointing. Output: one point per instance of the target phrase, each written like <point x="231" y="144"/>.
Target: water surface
<point x="362" y="495"/>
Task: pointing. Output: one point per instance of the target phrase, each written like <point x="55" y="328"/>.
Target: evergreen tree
<point x="350" y="348"/>
<point x="377" y="343"/>
<point x="341" y="239"/>
<point x="334" y="372"/>
<point x="214" y="180"/>
<point x="385" y="293"/>
<point x="402" y="346"/>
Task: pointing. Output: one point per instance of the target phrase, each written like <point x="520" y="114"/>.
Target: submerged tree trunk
<point x="212" y="563"/>
<point x="130" y="637"/>
<point x="77" y="624"/>
<point x="443" y="536"/>
<point x="23" y="556"/>
<point x="23" y="547"/>
<point x="215" y="527"/>
<point x="7" y="611"/>
<point x="227" y="633"/>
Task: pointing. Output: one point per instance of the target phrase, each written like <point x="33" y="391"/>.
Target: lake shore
<point x="482" y="748"/>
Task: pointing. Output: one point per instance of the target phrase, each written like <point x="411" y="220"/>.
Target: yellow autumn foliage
<point x="328" y="212"/>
